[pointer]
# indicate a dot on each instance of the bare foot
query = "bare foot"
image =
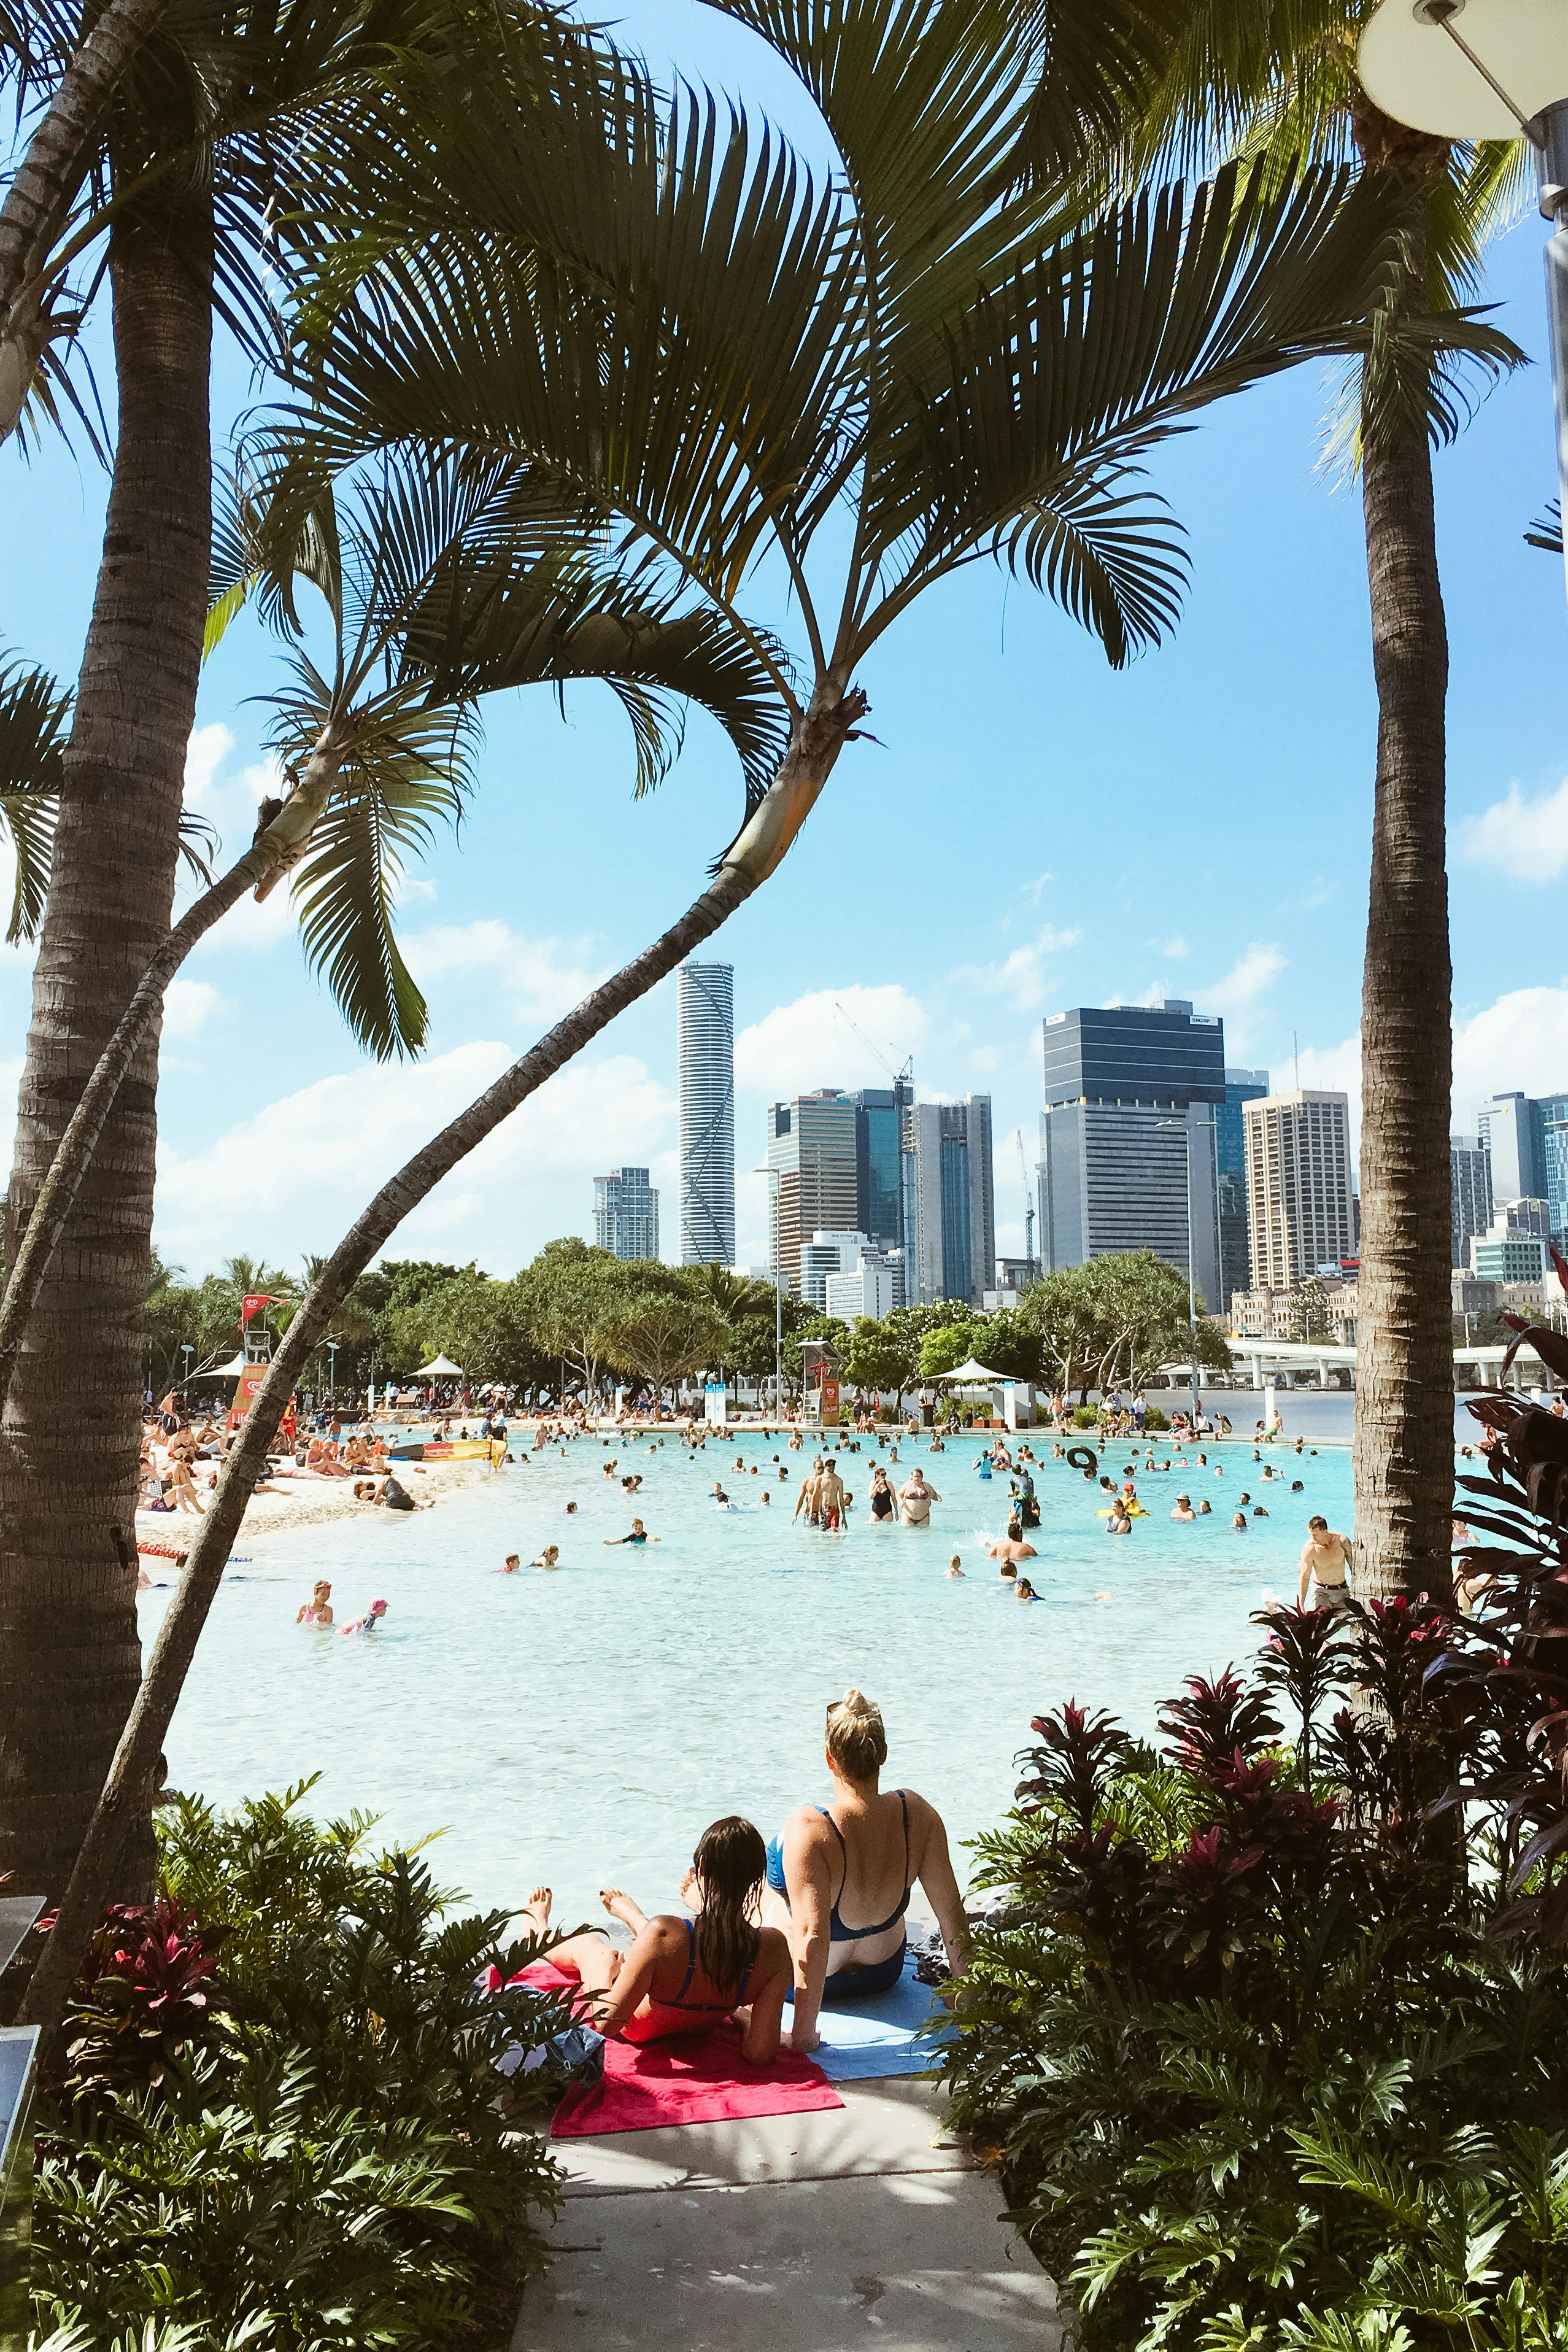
(536, 1908)
(692, 1889)
(621, 1907)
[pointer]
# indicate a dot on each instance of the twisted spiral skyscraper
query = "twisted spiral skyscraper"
(707, 1113)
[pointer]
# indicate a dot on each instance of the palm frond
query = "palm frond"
(1096, 352)
(34, 722)
(1546, 530)
(405, 769)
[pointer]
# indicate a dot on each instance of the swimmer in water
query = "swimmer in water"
(639, 1535)
(1240, 1523)
(1024, 1590)
(368, 1622)
(510, 1565)
(1184, 1509)
(718, 1494)
(1118, 1524)
(952, 1569)
(549, 1556)
(318, 1610)
(568, 1510)
(1205, 1507)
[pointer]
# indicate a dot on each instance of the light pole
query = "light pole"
(776, 1175)
(1501, 72)
(1187, 1126)
(187, 1351)
(332, 1370)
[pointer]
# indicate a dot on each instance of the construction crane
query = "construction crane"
(904, 1079)
(1028, 1202)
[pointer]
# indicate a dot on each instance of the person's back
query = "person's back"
(844, 1872)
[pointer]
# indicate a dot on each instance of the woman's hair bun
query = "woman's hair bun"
(856, 1703)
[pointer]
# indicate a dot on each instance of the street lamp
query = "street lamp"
(1187, 1127)
(332, 1370)
(187, 1351)
(777, 1175)
(1487, 70)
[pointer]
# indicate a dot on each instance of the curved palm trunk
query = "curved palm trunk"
(1404, 1457)
(122, 1808)
(40, 196)
(69, 1658)
(30, 1255)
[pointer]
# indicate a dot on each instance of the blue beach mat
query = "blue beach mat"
(864, 2039)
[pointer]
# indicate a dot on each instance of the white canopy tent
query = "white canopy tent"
(230, 1372)
(440, 1368)
(974, 1375)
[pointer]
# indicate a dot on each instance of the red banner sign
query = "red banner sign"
(249, 1306)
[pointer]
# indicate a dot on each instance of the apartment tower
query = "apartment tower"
(626, 1214)
(707, 1058)
(950, 1201)
(1469, 1184)
(811, 1157)
(1298, 1189)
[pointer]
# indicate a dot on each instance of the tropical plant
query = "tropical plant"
(658, 1339)
(1272, 2039)
(1278, 79)
(329, 2170)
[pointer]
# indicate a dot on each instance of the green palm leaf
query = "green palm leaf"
(34, 723)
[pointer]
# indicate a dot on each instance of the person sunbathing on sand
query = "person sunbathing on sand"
(682, 1976)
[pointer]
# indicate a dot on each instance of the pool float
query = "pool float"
(163, 1551)
(1084, 1458)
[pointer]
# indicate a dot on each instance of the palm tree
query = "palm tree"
(1276, 77)
(677, 332)
(440, 589)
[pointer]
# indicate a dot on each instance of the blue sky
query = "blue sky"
(1033, 831)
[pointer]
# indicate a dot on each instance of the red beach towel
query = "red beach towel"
(699, 2079)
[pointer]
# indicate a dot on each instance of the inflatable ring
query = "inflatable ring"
(163, 1551)
(1084, 1458)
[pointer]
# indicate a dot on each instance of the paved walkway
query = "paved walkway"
(865, 2225)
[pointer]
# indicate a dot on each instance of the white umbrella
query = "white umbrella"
(440, 1366)
(222, 1372)
(971, 1372)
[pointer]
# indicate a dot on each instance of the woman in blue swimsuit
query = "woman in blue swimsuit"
(841, 1875)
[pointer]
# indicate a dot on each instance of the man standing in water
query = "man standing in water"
(915, 1498)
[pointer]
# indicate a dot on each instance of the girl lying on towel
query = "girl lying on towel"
(681, 1975)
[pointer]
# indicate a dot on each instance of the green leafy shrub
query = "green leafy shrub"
(1085, 1416)
(1271, 2043)
(1155, 1419)
(330, 2168)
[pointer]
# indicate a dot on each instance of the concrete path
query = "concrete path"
(865, 2225)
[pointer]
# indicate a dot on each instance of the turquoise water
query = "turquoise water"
(585, 1725)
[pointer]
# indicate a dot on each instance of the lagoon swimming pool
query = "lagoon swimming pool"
(585, 1725)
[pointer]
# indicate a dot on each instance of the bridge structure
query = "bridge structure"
(1267, 1359)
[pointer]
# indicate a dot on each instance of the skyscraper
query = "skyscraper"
(626, 1214)
(950, 1201)
(1527, 1136)
(1298, 1186)
(1230, 1163)
(706, 1015)
(1133, 1094)
(811, 1145)
(1470, 1173)
(879, 1142)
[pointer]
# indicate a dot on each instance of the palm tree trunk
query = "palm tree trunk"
(69, 1657)
(1404, 1455)
(123, 1803)
(1405, 1366)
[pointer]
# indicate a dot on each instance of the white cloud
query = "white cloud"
(1526, 839)
(205, 752)
(1020, 977)
(1176, 946)
(542, 978)
(810, 1042)
(1520, 1041)
(293, 1177)
(186, 1006)
(1031, 890)
(1246, 981)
